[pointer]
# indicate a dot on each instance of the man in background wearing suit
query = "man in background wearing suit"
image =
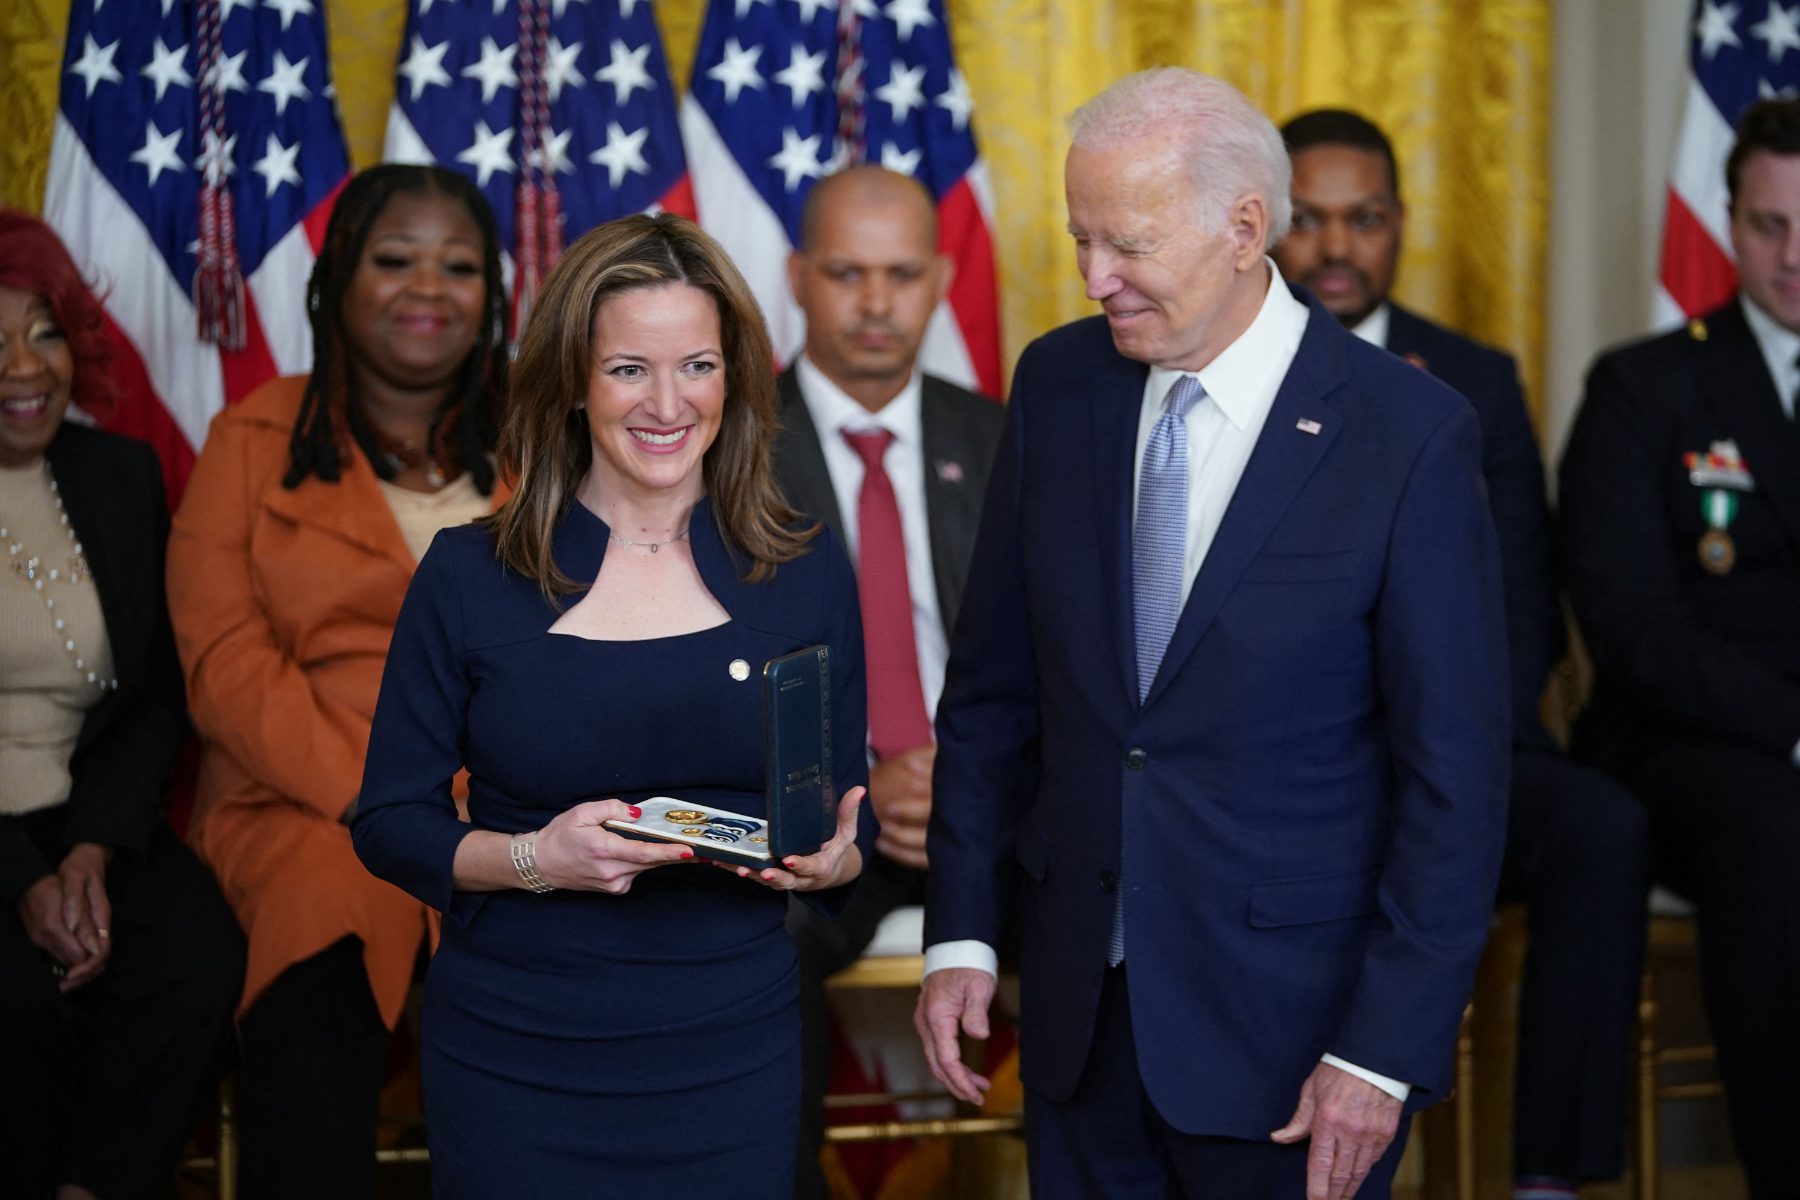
(895, 462)
(1681, 535)
(1226, 712)
(1577, 844)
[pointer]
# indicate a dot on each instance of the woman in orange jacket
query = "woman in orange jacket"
(307, 511)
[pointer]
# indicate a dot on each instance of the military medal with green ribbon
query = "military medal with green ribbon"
(1719, 508)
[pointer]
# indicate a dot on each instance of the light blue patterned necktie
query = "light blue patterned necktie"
(1158, 556)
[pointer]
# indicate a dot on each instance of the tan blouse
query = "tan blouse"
(44, 696)
(421, 514)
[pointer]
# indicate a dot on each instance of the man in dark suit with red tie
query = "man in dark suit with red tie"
(1225, 721)
(895, 462)
(1577, 846)
(1681, 536)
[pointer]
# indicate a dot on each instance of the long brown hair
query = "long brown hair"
(544, 440)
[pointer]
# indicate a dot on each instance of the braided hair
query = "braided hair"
(465, 429)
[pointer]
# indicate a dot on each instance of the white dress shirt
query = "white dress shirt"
(1241, 384)
(833, 412)
(1373, 328)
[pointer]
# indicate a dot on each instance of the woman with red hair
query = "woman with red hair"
(119, 973)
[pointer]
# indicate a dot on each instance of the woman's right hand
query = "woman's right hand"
(577, 851)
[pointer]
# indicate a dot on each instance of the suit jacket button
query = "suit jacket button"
(1135, 759)
(1108, 881)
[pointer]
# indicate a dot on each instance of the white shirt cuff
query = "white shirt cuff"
(969, 953)
(1393, 1087)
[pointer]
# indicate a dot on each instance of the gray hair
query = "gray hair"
(1229, 148)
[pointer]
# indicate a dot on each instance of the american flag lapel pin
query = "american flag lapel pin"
(1308, 425)
(949, 471)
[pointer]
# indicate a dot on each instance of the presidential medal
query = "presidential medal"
(683, 816)
(695, 831)
(1718, 553)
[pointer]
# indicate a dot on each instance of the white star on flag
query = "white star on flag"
(165, 68)
(902, 162)
(956, 99)
(804, 74)
(215, 161)
(495, 70)
(553, 156)
(283, 82)
(277, 166)
(737, 70)
(626, 71)
(425, 66)
(96, 65)
(908, 15)
(489, 152)
(1715, 28)
(158, 152)
(1780, 29)
(798, 158)
(904, 92)
(810, 8)
(623, 152)
(289, 9)
(561, 68)
(227, 75)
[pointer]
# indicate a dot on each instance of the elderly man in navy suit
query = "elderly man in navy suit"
(1226, 716)
(1577, 843)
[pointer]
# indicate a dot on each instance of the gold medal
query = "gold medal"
(758, 838)
(683, 816)
(1718, 553)
(694, 831)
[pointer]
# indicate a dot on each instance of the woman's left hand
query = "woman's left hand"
(835, 863)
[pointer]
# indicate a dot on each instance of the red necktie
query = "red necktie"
(897, 718)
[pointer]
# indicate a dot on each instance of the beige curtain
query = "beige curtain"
(1462, 86)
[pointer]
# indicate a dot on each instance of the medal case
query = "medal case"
(797, 781)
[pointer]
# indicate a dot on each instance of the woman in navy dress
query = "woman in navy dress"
(608, 1017)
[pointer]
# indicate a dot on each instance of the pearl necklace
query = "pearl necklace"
(33, 571)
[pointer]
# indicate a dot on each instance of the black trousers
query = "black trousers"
(1578, 856)
(1726, 820)
(826, 947)
(100, 1087)
(314, 1051)
(1108, 1142)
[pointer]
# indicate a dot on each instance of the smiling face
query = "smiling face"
(656, 393)
(37, 371)
(1345, 241)
(413, 308)
(1765, 233)
(1177, 284)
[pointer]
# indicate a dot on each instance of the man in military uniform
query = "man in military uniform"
(1681, 505)
(1577, 852)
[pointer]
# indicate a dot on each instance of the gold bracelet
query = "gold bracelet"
(524, 860)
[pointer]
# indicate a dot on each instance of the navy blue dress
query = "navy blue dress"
(578, 1043)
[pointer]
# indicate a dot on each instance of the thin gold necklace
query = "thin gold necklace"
(654, 546)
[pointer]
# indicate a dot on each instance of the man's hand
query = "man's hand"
(1352, 1122)
(900, 790)
(953, 1001)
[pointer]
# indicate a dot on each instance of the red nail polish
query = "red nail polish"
(789, 863)
(687, 854)
(636, 812)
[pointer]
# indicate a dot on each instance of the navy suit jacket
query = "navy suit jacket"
(1307, 812)
(1514, 471)
(1678, 651)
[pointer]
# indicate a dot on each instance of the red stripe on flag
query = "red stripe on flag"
(320, 216)
(680, 198)
(1697, 273)
(247, 369)
(139, 413)
(974, 288)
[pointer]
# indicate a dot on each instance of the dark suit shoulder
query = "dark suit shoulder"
(1381, 384)
(86, 444)
(1444, 348)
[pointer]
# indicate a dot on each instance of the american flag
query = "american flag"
(129, 154)
(784, 91)
(561, 111)
(1741, 52)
